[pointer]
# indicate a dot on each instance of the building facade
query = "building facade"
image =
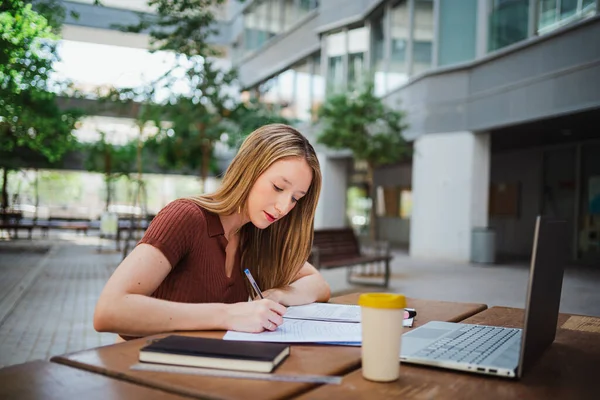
(502, 98)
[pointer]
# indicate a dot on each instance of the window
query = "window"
(301, 102)
(398, 71)
(378, 54)
(422, 36)
(318, 87)
(553, 14)
(336, 50)
(394, 201)
(457, 30)
(358, 44)
(509, 21)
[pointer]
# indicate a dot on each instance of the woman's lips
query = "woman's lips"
(270, 218)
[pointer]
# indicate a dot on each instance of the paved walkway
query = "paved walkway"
(54, 308)
(48, 293)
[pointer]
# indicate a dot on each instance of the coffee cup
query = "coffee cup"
(382, 315)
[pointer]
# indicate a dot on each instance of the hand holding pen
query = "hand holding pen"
(253, 283)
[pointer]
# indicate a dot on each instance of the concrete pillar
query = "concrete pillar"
(331, 210)
(451, 174)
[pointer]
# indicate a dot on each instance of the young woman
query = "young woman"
(186, 272)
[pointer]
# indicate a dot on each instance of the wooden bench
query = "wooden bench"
(67, 224)
(339, 247)
(16, 227)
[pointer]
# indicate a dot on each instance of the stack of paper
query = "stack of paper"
(314, 323)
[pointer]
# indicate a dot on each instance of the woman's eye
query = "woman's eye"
(294, 200)
(277, 189)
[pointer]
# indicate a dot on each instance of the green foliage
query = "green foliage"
(361, 122)
(249, 116)
(181, 26)
(31, 123)
(110, 159)
(198, 118)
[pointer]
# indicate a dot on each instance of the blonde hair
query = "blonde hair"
(274, 255)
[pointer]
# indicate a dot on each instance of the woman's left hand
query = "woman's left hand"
(277, 295)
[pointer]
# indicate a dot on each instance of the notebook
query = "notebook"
(336, 313)
(215, 353)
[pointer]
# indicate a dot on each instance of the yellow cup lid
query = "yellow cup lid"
(382, 300)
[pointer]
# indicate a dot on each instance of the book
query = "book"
(215, 353)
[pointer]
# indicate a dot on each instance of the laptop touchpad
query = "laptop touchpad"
(426, 333)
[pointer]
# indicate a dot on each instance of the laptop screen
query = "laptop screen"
(548, 259)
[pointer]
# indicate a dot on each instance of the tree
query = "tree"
(249, 116)
(30, 121)
(199, 115)
(180, 26)
(112, 160)
(206, 109)
(360, 122)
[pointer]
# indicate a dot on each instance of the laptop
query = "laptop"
(503, 352)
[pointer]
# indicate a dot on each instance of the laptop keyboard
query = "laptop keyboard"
(470, 344)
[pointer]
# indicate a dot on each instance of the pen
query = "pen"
(253, 283)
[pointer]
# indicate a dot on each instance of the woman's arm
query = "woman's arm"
(125, 307)
(309, 286)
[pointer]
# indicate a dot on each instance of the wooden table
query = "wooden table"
(51, 381)
(116, 360)
(567, 370)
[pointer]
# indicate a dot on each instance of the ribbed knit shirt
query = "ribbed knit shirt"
(193, 241)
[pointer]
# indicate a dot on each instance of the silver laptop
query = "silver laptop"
(504, 352)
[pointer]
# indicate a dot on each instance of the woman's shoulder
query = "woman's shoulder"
(184, 208)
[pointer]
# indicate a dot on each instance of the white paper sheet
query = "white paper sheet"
(303, 331)
(324, 312)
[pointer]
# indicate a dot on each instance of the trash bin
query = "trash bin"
(483, 245)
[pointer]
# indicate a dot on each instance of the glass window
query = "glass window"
(422, 36)
(275, 24)
(250, 32)
(398, 73)
(547, 13)
(290, 14)
(304, 7)
(336, 50)
(262, 23)
(457, 30)
(356, 69)
(318, 87)
(508, 23)
(405, 203)
(302, 102)
(568, 8)
(378, 54)
(556, 13)
(358, 44)
(269, 93)
(287, 84)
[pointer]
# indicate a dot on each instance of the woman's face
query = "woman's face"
(277, 190)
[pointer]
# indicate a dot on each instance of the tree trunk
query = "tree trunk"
(373, 193)
(206, 152)
(107, 172)
(205, 164)
(37, 193)
(4, 189)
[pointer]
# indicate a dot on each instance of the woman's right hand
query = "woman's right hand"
(254, 316)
